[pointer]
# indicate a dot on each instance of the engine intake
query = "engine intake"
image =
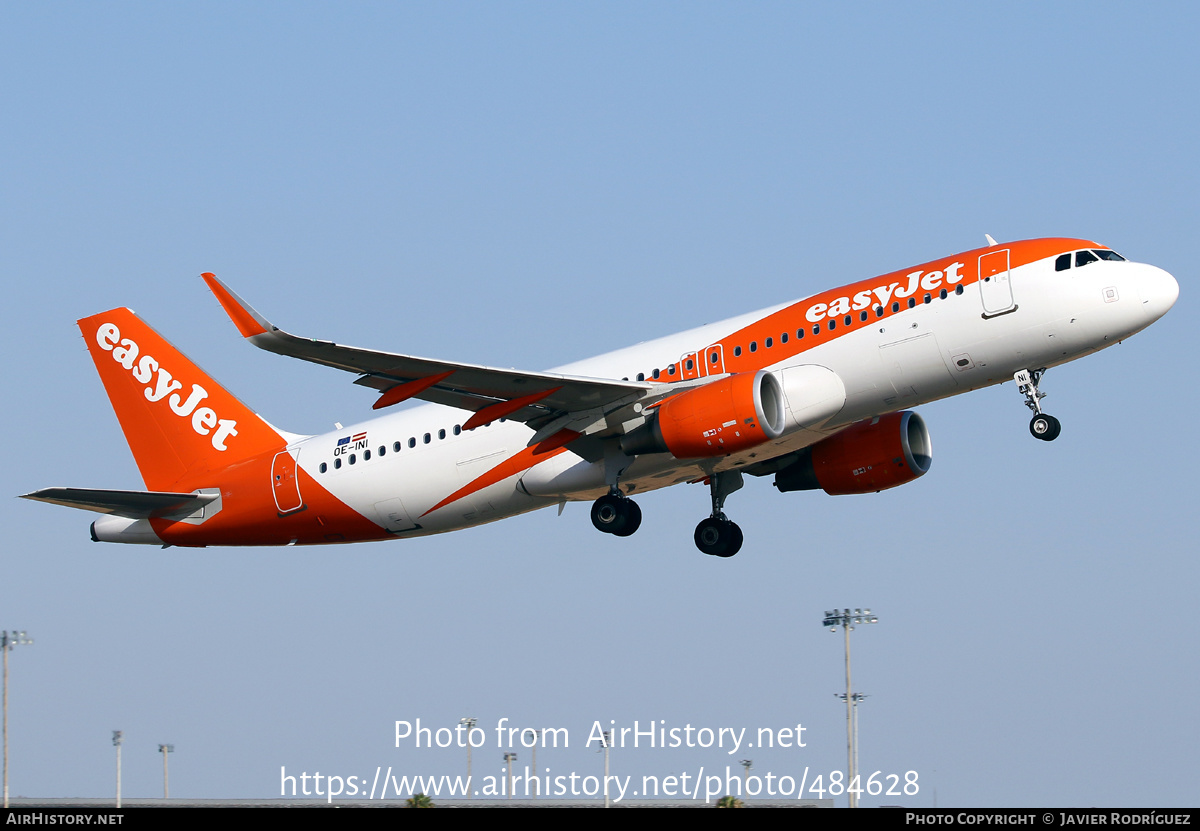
(719, 418)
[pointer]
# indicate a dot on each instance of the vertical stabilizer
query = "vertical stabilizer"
(180, 423)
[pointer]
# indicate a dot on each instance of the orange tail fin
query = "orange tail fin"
(180, 424)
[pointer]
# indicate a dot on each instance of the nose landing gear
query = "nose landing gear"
(1041, 426)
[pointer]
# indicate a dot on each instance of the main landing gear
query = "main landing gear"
(1042, 426)
(616, 514)
(718, 535)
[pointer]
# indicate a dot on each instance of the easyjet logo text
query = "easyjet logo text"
(159, 385)
(927, 280)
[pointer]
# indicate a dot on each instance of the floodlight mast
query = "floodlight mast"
(164, 749)
(469, 723)
(509, 758)
(7, 641)
(845, 619)
(118, 737)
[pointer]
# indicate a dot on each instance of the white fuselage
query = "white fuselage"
(980, 333)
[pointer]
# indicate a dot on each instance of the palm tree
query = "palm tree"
(730, 802)
(420, 800)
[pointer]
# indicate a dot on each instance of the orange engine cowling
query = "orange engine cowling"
(868, 456)
(719, 418)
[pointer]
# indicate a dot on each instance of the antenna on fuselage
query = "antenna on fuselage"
(990, 240)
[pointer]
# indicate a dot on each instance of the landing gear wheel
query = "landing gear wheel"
(1045, 427)
(616, 515)
(633, 520)
(718, 537)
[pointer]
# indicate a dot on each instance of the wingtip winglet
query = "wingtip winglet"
(244, 317)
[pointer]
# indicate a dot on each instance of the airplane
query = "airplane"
(816, 393)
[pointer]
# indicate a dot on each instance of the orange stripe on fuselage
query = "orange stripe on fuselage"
(796, 317)
(249, 516)
(527, 458)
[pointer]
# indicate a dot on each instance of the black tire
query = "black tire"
(713, 536)
(1045, 427)
(633, 518)
(735, 540)
(609, 514)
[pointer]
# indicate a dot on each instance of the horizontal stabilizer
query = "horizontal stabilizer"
(131, 504)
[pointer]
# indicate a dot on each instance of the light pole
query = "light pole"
(856, 697)
(510, 758)
(607, 745)
(537, 783)
(746, 765)
(845, 619)
(7, 641)
(118, 737)
(164, 749)
(469, 723)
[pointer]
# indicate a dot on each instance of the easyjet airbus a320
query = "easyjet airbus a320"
(813, 392)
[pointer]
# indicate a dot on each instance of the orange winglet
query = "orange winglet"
(405, 391)
(242, 319)
(502, 408)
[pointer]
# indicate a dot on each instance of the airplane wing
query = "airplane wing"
(131, 504)
(539, 399)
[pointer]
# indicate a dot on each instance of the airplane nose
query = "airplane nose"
(1159, 291)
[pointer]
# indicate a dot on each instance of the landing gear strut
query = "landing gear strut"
(718, 535)
(616, 514)
(1042, 426)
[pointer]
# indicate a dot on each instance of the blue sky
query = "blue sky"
(529, 184)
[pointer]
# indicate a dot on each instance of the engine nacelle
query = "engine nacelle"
(719, 418)
(866, 457)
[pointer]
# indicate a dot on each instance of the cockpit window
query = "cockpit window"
(1062, 263)
(1109, 255)
(1084, 258)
